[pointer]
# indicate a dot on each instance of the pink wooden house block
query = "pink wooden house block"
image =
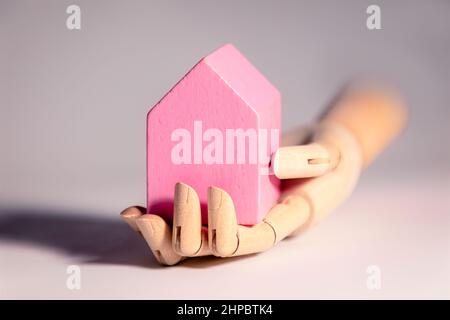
(202, 133)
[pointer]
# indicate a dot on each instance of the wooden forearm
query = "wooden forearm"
(372, 117)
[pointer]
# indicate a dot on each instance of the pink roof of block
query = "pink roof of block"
(242, 77)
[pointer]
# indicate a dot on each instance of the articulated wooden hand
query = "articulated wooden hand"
(347, 138)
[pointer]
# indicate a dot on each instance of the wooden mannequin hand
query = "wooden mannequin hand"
(224, 237)
(346, 140)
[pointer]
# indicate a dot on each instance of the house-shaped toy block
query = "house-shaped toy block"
(218, 127)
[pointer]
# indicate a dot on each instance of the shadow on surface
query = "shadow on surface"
(92, 239)
(89, 238)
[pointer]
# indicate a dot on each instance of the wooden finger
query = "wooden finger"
(222, 223)
(280, 222)
(129, 215)
(158, 235)
(187, 221)
(303, 161)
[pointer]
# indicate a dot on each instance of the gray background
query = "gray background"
(72, 137)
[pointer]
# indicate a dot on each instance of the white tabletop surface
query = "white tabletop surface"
(402, 228)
